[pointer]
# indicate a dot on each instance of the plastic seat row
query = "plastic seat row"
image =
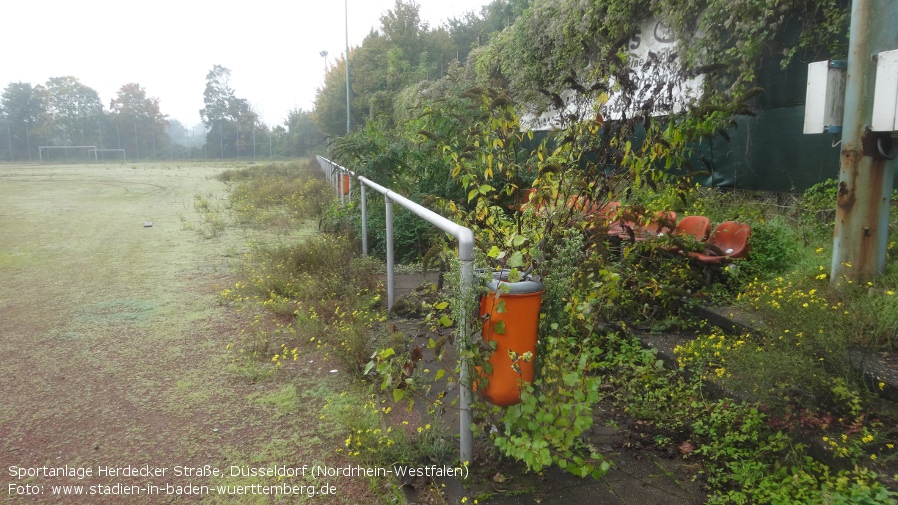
(728, 241)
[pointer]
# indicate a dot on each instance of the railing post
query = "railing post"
(465, 419)
(332, 176)
(364, 219)
(391, 296)
(341, 188)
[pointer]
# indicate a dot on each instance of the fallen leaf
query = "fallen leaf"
(687, 447)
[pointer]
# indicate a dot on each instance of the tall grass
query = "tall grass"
(277, 196)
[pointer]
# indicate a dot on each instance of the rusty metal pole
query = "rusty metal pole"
(865, 177)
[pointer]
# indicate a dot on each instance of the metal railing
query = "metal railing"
(338, 175)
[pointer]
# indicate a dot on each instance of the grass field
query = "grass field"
(113, 341)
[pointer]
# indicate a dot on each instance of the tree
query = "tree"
(473, 30)
(404, 52)
(402, 26)
(141, 126)
(302, 135)
(74, 112)
(330, 102)
(230, 121)
(24, 107)
(370, 86)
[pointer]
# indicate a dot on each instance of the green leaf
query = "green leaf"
(445, 321)
(398, 394)
(500, 307)
(499, 327)
(494, 252)
(516, 260)
(441, 305)
(439, 375)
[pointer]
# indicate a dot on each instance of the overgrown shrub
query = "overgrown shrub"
(775, 247)
(278, 196)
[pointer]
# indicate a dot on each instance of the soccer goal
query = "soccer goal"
(65, 153)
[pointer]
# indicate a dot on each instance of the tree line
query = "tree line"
(403, 53)
(64, 112)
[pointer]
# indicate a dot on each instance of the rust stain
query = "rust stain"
(847, 195)
(859, 209)
(872, 211)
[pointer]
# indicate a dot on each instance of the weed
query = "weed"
(212, 216)
(279, 197)
(750, 462)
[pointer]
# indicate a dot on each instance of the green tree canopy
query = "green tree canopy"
(302, 134)
(24, 108)
(230, 121)
(74, 112)
(140, 124)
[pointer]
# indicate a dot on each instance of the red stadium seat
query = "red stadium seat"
(729, 241)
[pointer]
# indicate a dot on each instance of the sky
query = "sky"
(272, 48)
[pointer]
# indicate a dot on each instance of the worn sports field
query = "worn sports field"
(113, 363)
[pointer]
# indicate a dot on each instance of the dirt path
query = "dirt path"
(112, 347)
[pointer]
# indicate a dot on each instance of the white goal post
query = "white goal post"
(40, 150)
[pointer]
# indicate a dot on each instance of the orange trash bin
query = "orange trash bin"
(345, 184)
(520, 318)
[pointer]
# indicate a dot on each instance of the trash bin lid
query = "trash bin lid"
(513, 288)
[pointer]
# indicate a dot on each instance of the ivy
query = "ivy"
(724, 40)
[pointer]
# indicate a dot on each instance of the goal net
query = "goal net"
(106, 154)
(63, 154)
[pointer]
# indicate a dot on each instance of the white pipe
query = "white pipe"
(465, 239)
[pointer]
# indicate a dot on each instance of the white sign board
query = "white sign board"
(885, 94)
(824, 98)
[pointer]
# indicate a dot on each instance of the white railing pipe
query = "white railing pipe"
(465, 238)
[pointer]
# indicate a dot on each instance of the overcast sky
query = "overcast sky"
(271, 47)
